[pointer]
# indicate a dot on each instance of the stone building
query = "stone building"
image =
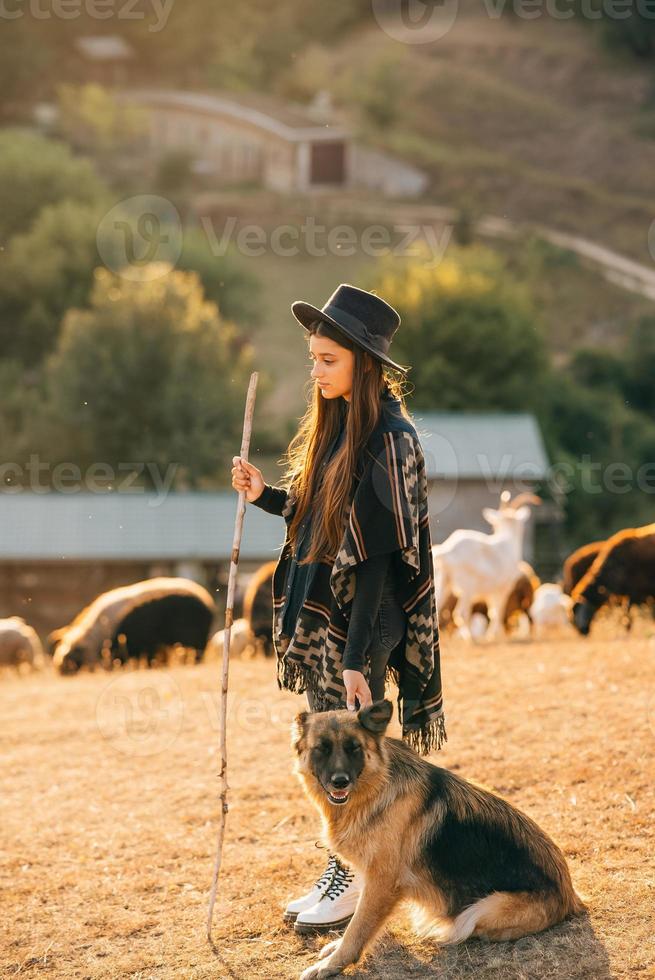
(253, 138)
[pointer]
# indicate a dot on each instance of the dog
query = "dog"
(469, 861)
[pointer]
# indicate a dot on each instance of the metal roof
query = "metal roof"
(186, 526)
(83, 526)
(264, 112)
(481, 445)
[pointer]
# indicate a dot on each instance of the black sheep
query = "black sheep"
(258, 605)
(578, 563)
(624, 567)
(96, 630)
(160, 623)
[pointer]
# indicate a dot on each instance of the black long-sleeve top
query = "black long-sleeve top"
(370, 576)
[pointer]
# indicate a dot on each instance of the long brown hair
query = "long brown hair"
(318, 427)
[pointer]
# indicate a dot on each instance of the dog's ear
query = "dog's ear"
(376, 717)
(299, 729)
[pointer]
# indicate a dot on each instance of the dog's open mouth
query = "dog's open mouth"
(338, 796)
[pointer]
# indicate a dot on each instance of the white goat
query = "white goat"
(551, 609)
(473, 565)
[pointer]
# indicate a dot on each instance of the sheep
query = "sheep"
(550, 608)
(576, 566)
(100, 630)
(258, 605)
(577, 563)
(19, 644)
(153, 627)
(242, 640)
(624, 567)
(474, 565)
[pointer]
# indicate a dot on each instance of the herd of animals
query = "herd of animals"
(483, 587)
(482, 575)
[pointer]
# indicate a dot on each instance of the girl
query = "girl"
(353, 590)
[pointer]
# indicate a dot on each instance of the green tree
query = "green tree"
(469, 331)
(639, 366)
(44, 272)
(22, 415)
(598, 368)
(92, 118)
(35, 172)
(225, 279)
(602, 446)
(50, 268)
(381, 91)
(150, 374)
(23, 60)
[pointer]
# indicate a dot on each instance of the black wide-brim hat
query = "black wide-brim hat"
(361, 315)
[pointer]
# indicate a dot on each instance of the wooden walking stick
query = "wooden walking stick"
(234, 561)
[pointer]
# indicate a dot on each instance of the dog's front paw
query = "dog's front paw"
(329, 949)
(320, 970)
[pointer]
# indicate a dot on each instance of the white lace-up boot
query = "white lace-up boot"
(336, 906)
(314, 894)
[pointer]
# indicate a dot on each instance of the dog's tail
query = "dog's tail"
(499, 916)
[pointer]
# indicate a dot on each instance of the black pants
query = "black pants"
(387, 634)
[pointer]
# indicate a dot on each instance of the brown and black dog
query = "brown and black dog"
(469, 861)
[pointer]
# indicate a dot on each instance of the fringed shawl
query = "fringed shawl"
(388, 512)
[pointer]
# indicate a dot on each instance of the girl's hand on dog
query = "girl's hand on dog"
(247, 477)
(356, 687)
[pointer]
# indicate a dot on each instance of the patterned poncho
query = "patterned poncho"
(388, 512)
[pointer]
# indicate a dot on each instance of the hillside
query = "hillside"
(575, 304)
(531, 120)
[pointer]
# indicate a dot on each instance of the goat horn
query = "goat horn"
(505, 499)
(525, 498)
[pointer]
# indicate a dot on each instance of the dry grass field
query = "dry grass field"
(109, 804)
